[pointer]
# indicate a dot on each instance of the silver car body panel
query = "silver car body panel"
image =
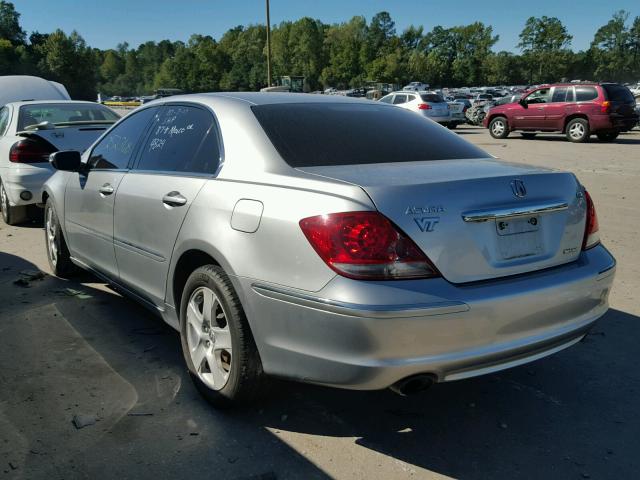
(313, 325)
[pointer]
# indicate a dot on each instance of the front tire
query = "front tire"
(217, 343)
(607, 136)
(578, 130)
(57, 250)
(499, 128)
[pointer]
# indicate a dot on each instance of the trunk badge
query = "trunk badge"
(427, 224)
(518, 188)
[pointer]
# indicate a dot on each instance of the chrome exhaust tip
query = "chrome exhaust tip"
(414, 384)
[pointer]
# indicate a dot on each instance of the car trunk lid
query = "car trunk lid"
(77, 138)
(477, 219)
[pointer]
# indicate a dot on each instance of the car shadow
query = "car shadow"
(570, 415)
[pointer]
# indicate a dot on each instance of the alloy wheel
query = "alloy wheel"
(576, 131)
(209, 338)
(498, 127)
(50, 228)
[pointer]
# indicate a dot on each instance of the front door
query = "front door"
(90, 196)
(532, 117)
(179, 154)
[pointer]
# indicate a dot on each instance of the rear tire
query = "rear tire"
(218, 339)
(57, 251)
(528, 135)
(607, 136)
(499, 128)
(11, 215)
(577, 130)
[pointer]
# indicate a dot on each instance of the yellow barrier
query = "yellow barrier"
(122, 104)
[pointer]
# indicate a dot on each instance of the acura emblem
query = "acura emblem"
(518, 188)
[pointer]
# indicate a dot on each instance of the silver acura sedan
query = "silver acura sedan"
(328, 240)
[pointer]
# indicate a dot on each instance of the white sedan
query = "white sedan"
(29, 132)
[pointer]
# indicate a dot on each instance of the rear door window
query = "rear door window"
(117, 147)
(181, 139)
(320, 134)
(585, 94)
(399, 99)
(559, 95)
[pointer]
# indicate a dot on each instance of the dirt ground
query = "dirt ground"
(78, 350)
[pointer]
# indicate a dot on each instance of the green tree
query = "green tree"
(544, 43)
(611, 49)
(343, 44)
(10, 24)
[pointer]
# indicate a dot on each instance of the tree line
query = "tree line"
(340, 55)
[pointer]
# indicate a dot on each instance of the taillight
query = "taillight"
(605, 106)
(366, 246)
(591, 235)
(424, 106)
(29, 151)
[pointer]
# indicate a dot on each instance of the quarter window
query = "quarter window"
(4, 119)
(584, 94)
(181, 139)
(118, 145)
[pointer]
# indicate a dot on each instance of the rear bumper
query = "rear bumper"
(612, 122)
(18, 178)
(369, 335)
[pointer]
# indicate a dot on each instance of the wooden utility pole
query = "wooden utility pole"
(268, 47)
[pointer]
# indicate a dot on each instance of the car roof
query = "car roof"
(260, 98)
(22, 87)
(54, 102)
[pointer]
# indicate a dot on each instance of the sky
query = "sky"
(104, 24)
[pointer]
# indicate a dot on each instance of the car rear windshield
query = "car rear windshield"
(61, 113)
(432, 98)
(322, 134)
(618, 93)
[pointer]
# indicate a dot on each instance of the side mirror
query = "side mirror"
(523, 102)
(68, 161)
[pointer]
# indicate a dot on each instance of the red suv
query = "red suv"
(578, 110)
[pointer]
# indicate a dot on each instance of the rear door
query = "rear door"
(89, 196)
(181, 151)
(558, 108)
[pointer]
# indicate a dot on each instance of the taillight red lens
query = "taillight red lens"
(424, 106)
(605, 106)
(29, 151)
(591, 234)
(366, 245)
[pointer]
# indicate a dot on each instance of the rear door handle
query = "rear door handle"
(174, 199)
(106, 189)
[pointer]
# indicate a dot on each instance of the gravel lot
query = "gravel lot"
(79, 349)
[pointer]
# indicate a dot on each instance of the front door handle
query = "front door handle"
(174, 199)
(106, 189)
